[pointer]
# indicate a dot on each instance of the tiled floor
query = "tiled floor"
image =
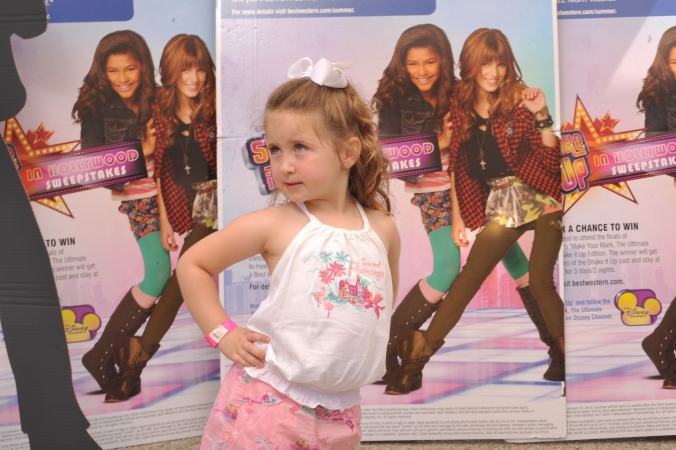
(185, 371)
(491, 353)
(660, 443)
(605, 363)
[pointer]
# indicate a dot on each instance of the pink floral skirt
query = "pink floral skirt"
(250, 414)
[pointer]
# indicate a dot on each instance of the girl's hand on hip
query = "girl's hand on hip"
(533, 99)
(238, 346)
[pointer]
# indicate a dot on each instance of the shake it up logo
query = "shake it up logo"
(80, 323)
(257, 158)
(408, 156)
(638, 306)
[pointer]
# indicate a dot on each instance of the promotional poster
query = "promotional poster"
(86, 146)
(486, 381)
(617, 242)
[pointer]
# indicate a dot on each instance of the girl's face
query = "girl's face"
(672, 60)
(124, 74)
(491, 76)
(424, 67)
(303, 167)
(192, 81)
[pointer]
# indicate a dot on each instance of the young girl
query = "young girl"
(185, 155)
(114, 105)
(508, 182)
(332, 251)
(413, 98)
(658, 100)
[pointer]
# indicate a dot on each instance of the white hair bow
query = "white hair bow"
(324, 73)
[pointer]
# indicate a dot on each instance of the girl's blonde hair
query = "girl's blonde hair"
(343, 114)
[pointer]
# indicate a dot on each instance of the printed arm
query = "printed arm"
(389, 123)
(389, 126)
(393, 253)
(91, 132)
(458, 229)
(388, 233)
(656, 122)
(148, 143)
(544, 143)
(167, 237)
(244, 237)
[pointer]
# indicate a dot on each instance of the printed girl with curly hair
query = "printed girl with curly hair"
(114, 105)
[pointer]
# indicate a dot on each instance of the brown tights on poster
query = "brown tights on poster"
(490, 246)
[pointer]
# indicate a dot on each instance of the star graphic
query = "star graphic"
(607, 124)
(33, 145)
(36, 136)
(598, 132)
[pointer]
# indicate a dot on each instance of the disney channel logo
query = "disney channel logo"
(80, 323)
(638, 306)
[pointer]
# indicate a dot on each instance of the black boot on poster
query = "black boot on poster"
(411, 313)
(127, 318)
(555, 372)
(132, 358)
(659, 346)
(557, 368)
(415, 352)
(670, 381)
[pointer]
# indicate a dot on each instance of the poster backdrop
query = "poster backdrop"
(486, 382)
(618, 241)
(95, 257)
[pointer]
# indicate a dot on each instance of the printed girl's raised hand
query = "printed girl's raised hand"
(167, 236)
(533, 99)
(238, 346)
(446, 132)
(148, 143)
(459, 232)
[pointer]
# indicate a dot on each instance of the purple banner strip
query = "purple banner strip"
(412, 155)
(95, 167)
(640, 158)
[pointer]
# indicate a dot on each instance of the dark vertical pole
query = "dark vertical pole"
(29, 304)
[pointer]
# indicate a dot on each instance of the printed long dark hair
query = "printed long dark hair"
(96, 90)
(396, 81)
(660, 81)
(343, 114)
(486, 45)
(184, 51)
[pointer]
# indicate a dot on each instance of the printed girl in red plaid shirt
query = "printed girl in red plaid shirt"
(185, 172)
(506, 162)
(413, 98)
